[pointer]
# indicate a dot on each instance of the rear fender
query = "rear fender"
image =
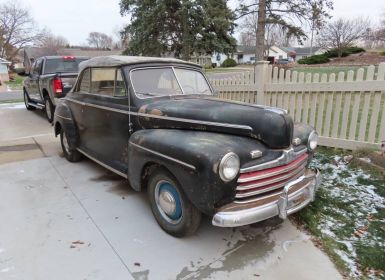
(64, 120)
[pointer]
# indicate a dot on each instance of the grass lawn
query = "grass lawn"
(348, 217)
(17, 83)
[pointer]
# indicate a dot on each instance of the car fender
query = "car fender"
(193, 157)
(63, 119)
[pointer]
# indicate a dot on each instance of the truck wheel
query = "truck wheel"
(70, 153)
(171, 208)
(26, 100)
(49, 108)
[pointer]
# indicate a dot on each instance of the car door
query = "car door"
(106, 119)
(33, 81)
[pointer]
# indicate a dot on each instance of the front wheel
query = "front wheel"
(49, 109)
(171, 208)
(70, 152)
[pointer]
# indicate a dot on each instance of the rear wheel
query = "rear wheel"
(70, 152)
(26, 101)
(49, 108)
(171, 208)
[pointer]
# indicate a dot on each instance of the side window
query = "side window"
(107, 81)
(85, 81)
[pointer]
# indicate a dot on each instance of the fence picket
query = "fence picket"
(345, 113)
(329, 109)
(307, 97)
(314, 101)
(337, 109)
(374, 117)
(356, 107)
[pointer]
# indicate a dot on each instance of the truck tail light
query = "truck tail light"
(67, 57)
(57, 85)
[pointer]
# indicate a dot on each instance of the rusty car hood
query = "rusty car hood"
(272, 126)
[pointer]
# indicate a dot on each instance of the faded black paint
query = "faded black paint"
(94, 127)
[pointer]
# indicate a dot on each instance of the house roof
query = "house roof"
(241, 49)
(4, 61)
(118, 60)
(306, 50)
(36, 52)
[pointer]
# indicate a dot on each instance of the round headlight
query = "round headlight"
(312, 142)
(229, 167)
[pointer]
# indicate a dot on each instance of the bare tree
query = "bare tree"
(100, 40)
(17, 29)
(275, 34)
(343, 33)
(289, 14)
(53, 42)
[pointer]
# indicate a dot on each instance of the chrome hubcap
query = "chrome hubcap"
(168, 202)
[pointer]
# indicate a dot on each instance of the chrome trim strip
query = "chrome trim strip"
(270, 174)
(256, 192)
(275, 180)
(57, 115)
(164, 156)
(102, 164)
(287, 156)
(228, 125)
(74, 100)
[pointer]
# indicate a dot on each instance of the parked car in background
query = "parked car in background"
(50, 77)
(157, 122)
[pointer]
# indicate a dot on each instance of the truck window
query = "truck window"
(62, 65)
(37, 67)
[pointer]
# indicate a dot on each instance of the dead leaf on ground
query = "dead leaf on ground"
(77, 242)
(137, 264)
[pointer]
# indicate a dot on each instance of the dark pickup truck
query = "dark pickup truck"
(50, 77)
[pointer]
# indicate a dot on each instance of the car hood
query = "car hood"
(272, 126)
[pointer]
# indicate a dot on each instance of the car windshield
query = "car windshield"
(168, 81)
(62, 65)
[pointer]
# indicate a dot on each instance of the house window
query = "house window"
(218, 57)
(252, 58)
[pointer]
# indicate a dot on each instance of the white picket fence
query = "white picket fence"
(347, 111)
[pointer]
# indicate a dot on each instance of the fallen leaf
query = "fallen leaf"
(78, 242)
(256, 275)
(137, 264)
(72, 246)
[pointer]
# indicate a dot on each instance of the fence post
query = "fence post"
(261, 71)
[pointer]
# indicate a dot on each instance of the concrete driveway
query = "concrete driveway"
(61, 220)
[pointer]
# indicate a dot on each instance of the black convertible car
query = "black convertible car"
(158, 123)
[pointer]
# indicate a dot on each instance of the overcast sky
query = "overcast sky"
(75, 19)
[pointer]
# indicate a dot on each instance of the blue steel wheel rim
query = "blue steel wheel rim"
(168, 202)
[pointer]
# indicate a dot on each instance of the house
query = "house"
(305, 52)
(246, 55)
(4, 64)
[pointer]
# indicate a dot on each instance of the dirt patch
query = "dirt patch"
(122, 188)
(378, 159)
(106, 177)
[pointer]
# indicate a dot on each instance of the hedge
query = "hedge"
(229, 62)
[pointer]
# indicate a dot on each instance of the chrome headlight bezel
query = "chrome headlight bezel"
(229, 159)
(312, 141)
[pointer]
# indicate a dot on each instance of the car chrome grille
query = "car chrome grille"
(264, 183)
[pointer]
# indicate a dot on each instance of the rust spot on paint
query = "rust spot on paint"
(156, 112)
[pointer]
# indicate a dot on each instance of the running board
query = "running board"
(36, 105)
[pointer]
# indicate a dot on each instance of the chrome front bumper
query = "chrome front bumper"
(295, 196)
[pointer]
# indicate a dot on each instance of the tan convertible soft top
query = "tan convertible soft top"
(119, 60)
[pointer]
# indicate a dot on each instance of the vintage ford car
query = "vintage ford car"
(158, 123)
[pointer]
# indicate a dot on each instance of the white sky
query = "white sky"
(75, 19)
